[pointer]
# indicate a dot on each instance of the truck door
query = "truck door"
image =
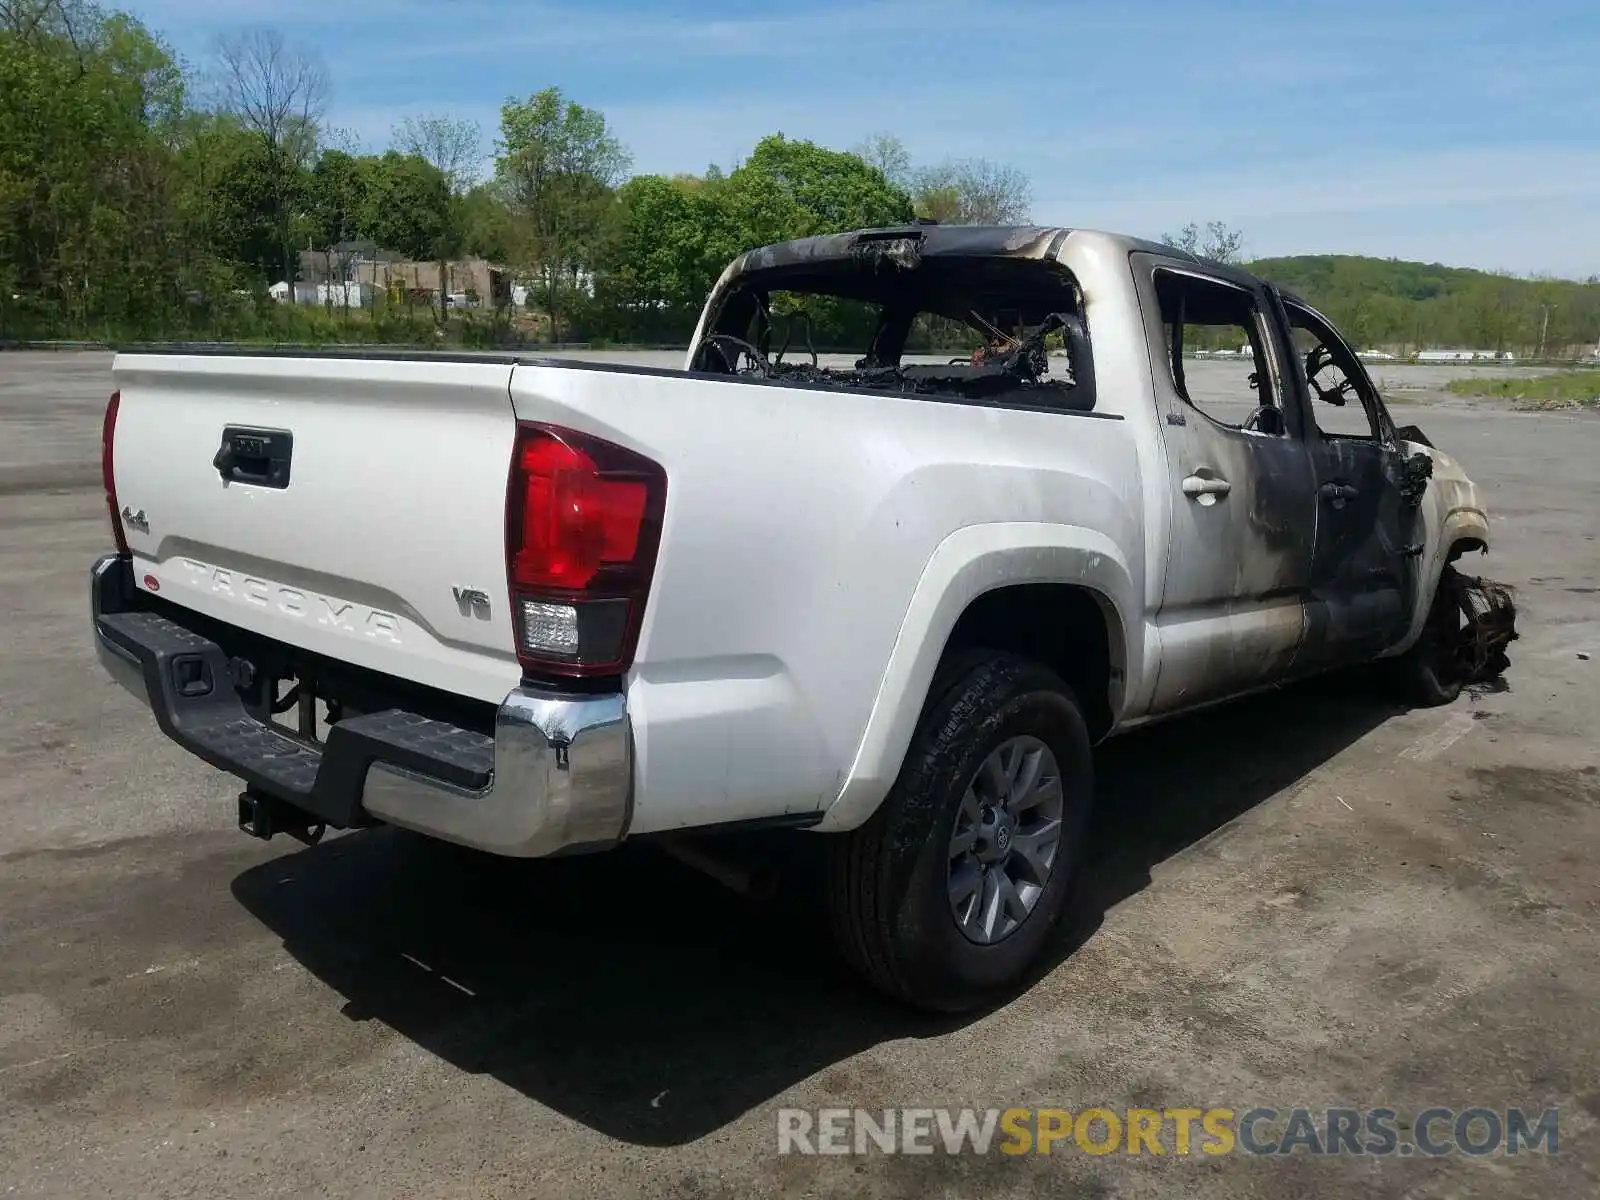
(1361, 572)
(1242, 502)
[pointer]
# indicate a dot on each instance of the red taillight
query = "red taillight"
(108, 476)
(583, 519)
(574, 519)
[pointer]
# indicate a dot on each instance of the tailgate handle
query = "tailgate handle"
(255, 456)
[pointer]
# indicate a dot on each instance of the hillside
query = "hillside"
(1409, 305)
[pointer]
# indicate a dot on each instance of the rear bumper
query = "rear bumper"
(555, 776)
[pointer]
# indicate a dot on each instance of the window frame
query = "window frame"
(1265, 343)
(1380, 423)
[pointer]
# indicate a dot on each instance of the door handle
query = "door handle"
(257, 456)
(1204, 487)
(1337, 492)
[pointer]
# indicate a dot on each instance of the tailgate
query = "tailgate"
(362, 515)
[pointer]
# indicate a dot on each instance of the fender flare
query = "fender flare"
(970, 562)
(1469, 525)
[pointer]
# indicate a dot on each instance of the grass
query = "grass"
(1562, 389)
(253, 321)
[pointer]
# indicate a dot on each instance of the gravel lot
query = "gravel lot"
(1305, 899)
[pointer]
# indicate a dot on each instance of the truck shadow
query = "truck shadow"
(634, 995)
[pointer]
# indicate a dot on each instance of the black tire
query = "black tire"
(1430, 674)
(887, 889)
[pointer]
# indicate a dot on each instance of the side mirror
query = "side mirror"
(1414, 475)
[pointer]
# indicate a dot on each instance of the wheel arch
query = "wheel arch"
(991, 587)
(1074, 630)
(1462, 531)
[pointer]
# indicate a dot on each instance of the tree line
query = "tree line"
(143, 197)
(1406, 306)
(1403, 307)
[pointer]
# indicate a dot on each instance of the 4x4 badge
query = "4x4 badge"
(135, 519)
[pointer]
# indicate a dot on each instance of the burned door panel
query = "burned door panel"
(1243, 502)
(1369, 526)
(1359, 570)
(1232, 611)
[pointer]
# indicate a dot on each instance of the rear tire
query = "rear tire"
(938, 899)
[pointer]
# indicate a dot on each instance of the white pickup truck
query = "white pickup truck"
(537, 607)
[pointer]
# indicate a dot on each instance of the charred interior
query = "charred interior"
(991, 320)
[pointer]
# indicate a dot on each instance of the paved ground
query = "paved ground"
(1309, 899)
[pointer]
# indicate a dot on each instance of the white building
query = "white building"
(1456, 356)
(333, 295)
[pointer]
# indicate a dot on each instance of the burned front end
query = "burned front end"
(1487, 625)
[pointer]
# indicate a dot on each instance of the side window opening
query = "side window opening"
(982, 328)
(1217, 354)
(1341, 401)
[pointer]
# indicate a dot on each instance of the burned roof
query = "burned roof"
(869, 263)
(928, 240)
(920, 240)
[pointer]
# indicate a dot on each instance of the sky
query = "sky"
(1466, 133)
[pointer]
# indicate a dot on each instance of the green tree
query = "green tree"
(248, 193)
(557, 164)
(487, 224)
(957, 191)
(87, 103)
(278, 92)
(670, 238)
(405, 204)
(811, 190)
(451, 147)
(336, 202)
(972, 191)
(667, 243)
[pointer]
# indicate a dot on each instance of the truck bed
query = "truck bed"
(799, 520)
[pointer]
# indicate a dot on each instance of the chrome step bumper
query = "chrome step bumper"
(556, 775)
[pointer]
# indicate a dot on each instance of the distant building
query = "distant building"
(334, 295)
(1456, 356)
(353, 273)
(478, 281)
(345, 262)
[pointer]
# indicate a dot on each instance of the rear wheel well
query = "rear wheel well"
(1066, 628)
(1462, 545)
